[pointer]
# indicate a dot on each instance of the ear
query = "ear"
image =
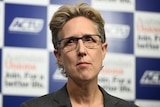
(104, 49)
(58, 56)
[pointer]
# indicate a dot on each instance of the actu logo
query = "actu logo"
(117, 30)
(29, 25)
(150, 78)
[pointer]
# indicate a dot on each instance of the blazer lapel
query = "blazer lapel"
(62, 97)
(109, 101)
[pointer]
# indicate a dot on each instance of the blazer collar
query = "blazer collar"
(109, 101)
(62, 98)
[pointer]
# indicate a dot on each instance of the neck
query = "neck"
(84, 94)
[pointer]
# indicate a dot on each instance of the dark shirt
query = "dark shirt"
(60, 98)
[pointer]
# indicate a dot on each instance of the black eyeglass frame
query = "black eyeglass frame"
(77, 38)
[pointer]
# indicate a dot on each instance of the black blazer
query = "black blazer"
(60, 98)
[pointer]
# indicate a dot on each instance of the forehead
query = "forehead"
(78, 26)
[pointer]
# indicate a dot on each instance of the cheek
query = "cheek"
(98, 58)
(68, 59)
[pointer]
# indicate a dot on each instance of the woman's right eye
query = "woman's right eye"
(70, 41)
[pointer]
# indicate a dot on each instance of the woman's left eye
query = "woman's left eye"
(88, 38)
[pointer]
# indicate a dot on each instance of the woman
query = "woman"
(79, 39)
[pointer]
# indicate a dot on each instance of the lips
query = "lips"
(82, 63)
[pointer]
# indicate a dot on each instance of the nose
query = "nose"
(81, 49)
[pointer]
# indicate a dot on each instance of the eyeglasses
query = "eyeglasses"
(90, 41)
